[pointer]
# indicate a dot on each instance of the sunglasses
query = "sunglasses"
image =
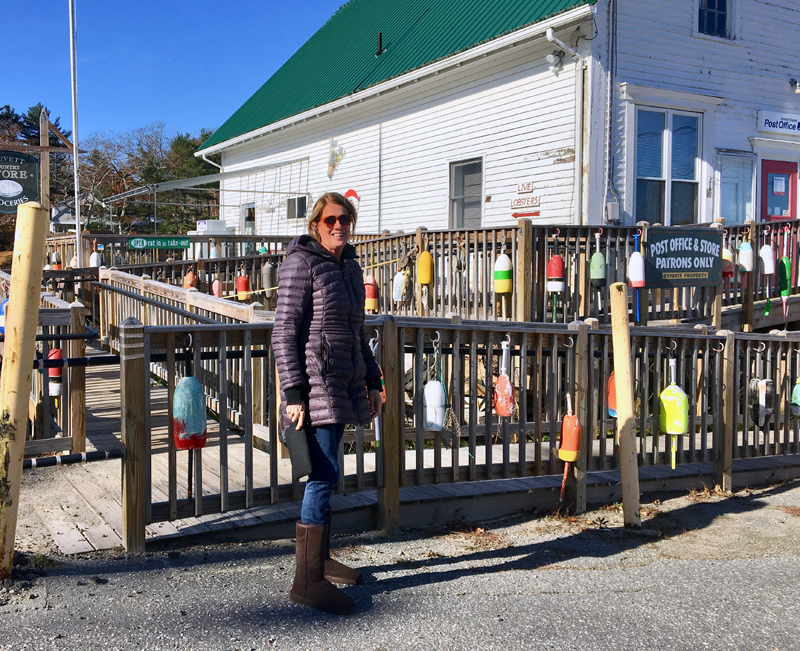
(330, 220)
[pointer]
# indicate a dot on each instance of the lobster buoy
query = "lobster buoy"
(400, 285)
(269, 278)
(503, 389)
(745, 257)
(433, 406)
(796, 398)
(503, 283)
(94, 259)
(370, 293)
(3, 308)
(611, 395)
(728, 265)
(213, 252)
(767, 255)
(674, 410)
(425, 268)
(56, 261)
(216, 288)
(55, 374)
(48, 267)
(785, 277)
(189, 280)
(636, 265)
(555, 274)
(262, 250)
(762, 396)
(570, 447)
(189, 427)
(597, 266)
(242, 286)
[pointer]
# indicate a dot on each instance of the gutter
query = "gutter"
(445, 65)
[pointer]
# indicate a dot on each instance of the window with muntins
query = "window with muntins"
(296, 207)
(466, 192)
(713, 18)
(667, 167)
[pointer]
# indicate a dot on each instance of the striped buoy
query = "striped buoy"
(370, 294)
(189, 427)
(242, 286)
(55, 374)
(503, 282)
(745, 257)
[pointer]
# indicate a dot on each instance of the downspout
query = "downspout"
(610, 62)
(579, 99)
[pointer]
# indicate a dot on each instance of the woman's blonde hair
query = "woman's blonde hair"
(319, 206)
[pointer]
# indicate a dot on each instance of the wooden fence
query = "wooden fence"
(720, 371)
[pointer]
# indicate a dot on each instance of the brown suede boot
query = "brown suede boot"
(310, 587)
(334, 570)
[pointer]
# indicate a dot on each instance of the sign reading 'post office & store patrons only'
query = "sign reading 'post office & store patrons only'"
(19, 180)
(683, 257)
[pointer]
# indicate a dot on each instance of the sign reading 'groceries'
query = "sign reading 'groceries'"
(681, 257)
(19, 180)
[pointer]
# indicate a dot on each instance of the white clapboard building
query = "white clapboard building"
(474, 114)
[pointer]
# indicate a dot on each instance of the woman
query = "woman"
(329, 378)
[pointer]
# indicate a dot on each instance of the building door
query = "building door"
(778, 190)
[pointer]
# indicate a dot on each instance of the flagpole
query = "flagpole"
(74, 75)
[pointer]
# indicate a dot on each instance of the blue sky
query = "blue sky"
(187, 63)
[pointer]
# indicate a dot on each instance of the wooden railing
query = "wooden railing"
(716, 369)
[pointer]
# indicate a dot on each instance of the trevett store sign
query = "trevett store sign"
(785, 123)
(19, 180)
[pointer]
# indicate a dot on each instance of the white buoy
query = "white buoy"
(745, 257)
(433, 406)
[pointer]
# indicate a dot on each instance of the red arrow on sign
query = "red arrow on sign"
(517, 215)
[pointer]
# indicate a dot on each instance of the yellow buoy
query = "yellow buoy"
(425, 268)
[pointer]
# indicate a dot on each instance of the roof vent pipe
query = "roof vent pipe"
(380, 44)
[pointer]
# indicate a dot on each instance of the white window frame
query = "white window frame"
(733, 23)
(734, 153)
(659, 98)
(294, 217)
(451, 179)
(244, 209)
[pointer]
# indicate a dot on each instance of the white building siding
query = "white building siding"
(657, 48)
(508, 109)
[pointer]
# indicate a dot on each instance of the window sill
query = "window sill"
(715, 39)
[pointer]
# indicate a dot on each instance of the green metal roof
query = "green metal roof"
(340, 58)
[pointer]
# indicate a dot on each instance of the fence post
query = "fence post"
(525, 274)
(623, 378)
(77, 379)
(132, 388)
(749, 288)
(393, 429)
(723, 455)
(576, 482)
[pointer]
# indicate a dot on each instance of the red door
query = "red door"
(778, 190)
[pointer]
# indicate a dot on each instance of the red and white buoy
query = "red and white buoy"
(503, 389)
(55, 374)
(556, 282)
(370, 294)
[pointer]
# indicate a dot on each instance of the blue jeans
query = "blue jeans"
(323, 448)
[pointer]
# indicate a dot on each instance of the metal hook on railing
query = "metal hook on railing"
(189, 345)
(435, 342)
(762, 347)
(674, 346)
(746, 231)
(601, 232)
(373, 343)
(787, 227)
(558, 232)
(570, 344)
(720, 349)
(767, 229)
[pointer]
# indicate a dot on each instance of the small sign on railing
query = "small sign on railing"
(680, 257)
(159, 243)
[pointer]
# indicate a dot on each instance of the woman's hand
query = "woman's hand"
(298, 414)
(375, 403)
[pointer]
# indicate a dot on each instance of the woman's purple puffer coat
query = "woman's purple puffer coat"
(321, 348)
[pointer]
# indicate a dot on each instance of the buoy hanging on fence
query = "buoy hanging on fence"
(503, 281)
(213, 251)
(55, 259)
(216, 288)
(674, 412)
(785, 276)
(728, 265)
(597, 269)
(796, 398)
(189, 280)
(73, 262)
(569, 448)
(400, 285)
(425, 268)
(269, 278)
(745, 257)
(262, 250)
(95, 260)
(767, 255)
(189, 427)
(55, 374)
(636, 273)
(242, 286)
(762, 396)
(555, 276)
(433, 406)
(3, 308)
(611, 395)
(370, 293)
(503, 389)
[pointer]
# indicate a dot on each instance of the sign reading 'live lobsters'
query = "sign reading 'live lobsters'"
(19, 180)
(682, 257)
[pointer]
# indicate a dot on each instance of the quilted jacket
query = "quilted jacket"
(321, 346)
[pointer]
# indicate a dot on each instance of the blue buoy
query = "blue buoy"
(189, 425)
(3, 308)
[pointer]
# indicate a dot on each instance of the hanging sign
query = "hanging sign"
(159, 243)
(683, 257)
(19, 180)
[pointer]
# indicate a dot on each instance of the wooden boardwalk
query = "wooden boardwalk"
(87, 513)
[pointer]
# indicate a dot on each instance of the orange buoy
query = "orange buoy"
(570, 447)
(611, 392)
(242, 286)
(55, 374)
(216, 288)
(503, 389)
(370, 293)
(189, 280)
(56, 261)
